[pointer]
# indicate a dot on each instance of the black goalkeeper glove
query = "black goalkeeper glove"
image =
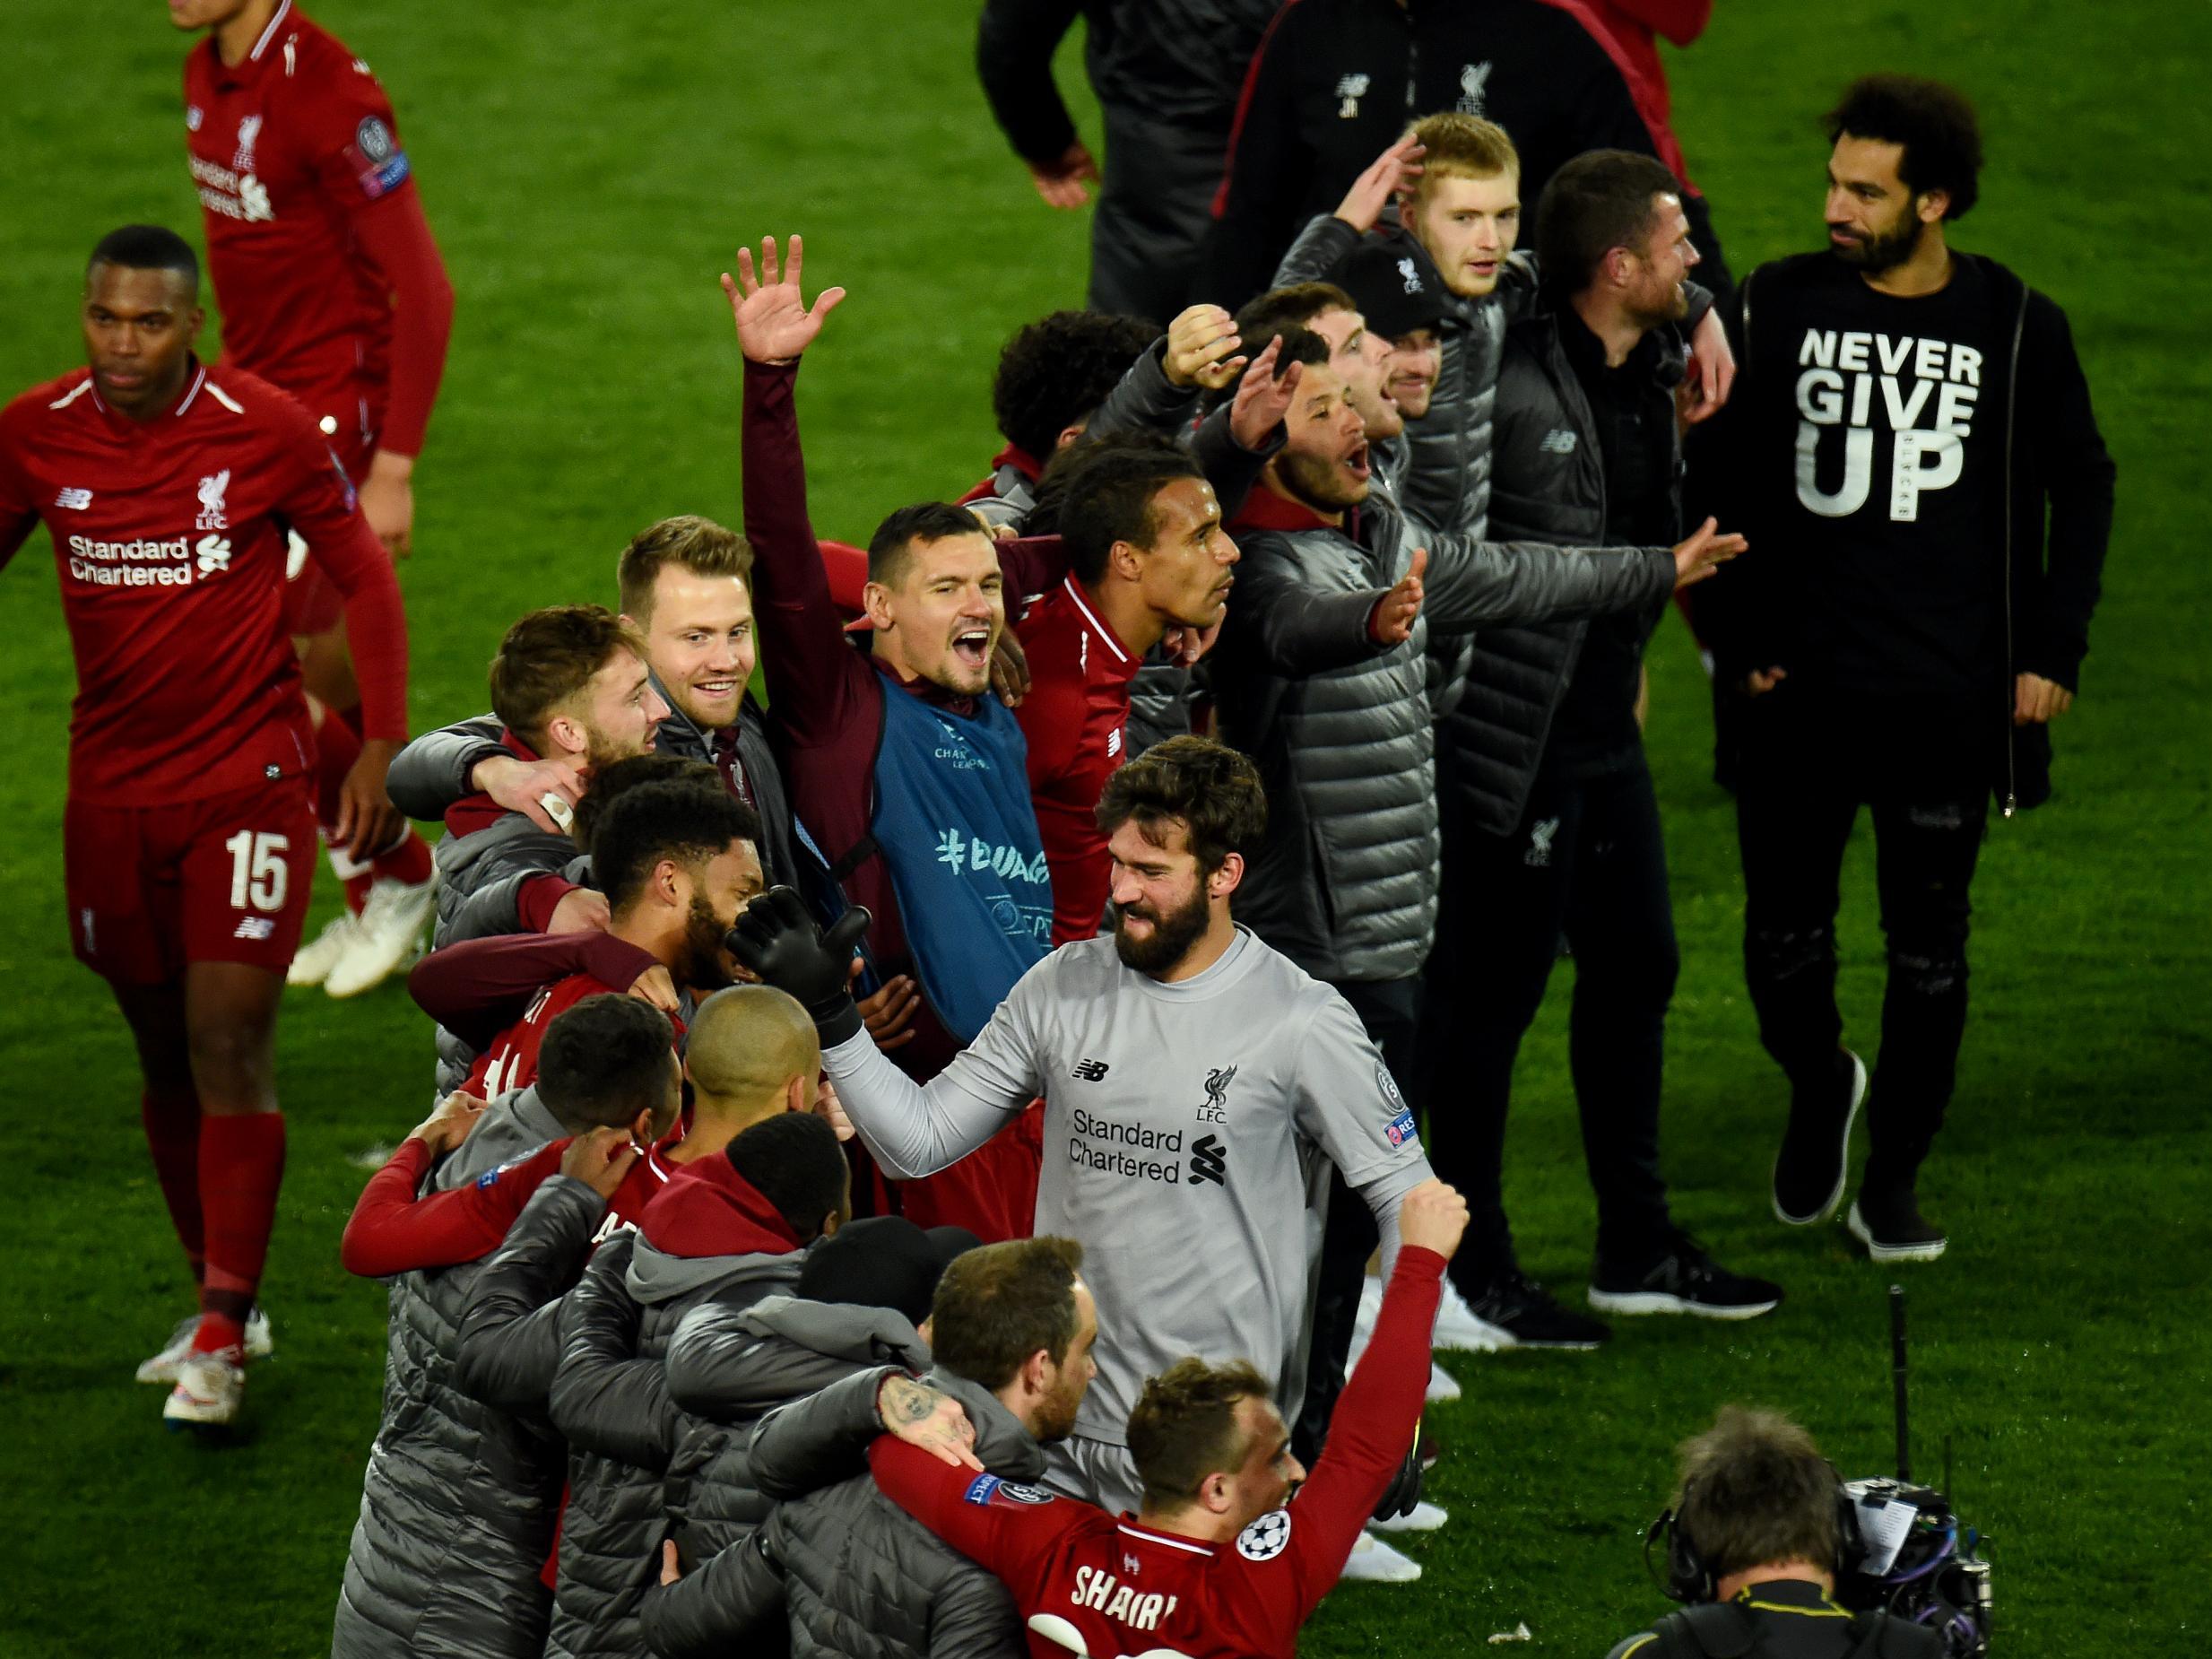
(776, 939)
(1404, 1490)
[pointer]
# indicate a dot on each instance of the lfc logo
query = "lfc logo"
(1216, 1109)
(214, 513)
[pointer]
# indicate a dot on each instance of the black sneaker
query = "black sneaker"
(1814, 1160)
(1685, 1281)
(1526, 1316)
(1890, 1225)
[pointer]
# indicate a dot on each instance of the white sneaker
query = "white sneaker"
(1372, 1561)
(1423, 1517)
(388, 932)
(210, 1389)
(1443, 1386)
(312, 962)
(1458, 1327)
(163, 1367)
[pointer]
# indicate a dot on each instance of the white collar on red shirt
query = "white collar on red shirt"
(1169, 1539)
(1092, 619)
(269, 34)
(191, 390)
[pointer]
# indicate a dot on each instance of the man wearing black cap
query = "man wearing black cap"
(1401, 303)
(862, 1301)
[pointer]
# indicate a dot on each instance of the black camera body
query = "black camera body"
(1910, 1556)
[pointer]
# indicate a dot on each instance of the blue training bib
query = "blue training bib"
(954, 823)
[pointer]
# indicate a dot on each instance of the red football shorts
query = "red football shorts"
(223, 879)
(312, 602)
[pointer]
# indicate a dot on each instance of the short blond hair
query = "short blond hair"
(687, 542)
(1462, 146)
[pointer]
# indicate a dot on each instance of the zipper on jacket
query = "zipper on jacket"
(2012, 402)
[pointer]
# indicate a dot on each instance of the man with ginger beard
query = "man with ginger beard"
(909, 775)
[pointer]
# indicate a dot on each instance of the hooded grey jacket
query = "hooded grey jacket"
(1494, 741)
(459, 1499)
(726, 1366)
(1345, 882)
(610, 1398)
(862, 1579)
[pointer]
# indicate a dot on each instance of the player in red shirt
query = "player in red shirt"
(189, 835)
(331, 288)
(1147, 552)
(677, 862)
(1216, 1565)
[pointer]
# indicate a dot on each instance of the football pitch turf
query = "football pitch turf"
(589, 170)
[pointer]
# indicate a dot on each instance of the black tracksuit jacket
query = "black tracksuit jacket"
(1336, 81)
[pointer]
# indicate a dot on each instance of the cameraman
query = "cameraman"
(1752, 1547)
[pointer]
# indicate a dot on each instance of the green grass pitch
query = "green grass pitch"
(589, 170)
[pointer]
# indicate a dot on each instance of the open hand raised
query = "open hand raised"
(773, 324)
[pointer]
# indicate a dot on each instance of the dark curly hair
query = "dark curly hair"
(1935, 122)
(1058, 370)
(1209, 789)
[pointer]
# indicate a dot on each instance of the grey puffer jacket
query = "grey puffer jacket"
(865, 1580)
(459, 1500)
(1493, 742)
(1345, 882)
(726, 1368)
(610, 1399)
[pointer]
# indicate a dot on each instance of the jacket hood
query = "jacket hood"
(513, 1126)
(838, 1330)
(656, 1276)
(1002, 1445)
(711, 1210)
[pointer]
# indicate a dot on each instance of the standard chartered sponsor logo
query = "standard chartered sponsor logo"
(142, 563)
(1114, 1148)
(232, 195)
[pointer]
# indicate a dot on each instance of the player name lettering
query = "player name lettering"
(1099, 1590)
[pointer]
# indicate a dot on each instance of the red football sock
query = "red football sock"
(172, 1121)
(409, 862)
(241, 1163)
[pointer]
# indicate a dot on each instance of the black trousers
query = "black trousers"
(1387, 1008)
(1809, 762)
(1155, 207)
(1585, 862)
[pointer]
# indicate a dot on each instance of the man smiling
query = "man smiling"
(909, 775)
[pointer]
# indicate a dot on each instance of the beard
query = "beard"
(601, 752)
(1319, 483)
(1055, 1417)
(1883, 250)
(700, 968)
(1174, 933)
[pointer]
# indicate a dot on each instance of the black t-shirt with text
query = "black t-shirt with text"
(1898, 463)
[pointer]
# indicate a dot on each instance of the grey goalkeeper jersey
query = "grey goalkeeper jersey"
(1181, 1123)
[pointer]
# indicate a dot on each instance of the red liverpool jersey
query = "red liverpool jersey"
(1125, 1589)
(1076, 718)
(287, 147)
(512, 1060)
(170, 536)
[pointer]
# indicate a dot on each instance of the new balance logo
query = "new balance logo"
(1209, 1161)
(256, 927)
(1090, 1070)
(1559, 441)
(75, 500)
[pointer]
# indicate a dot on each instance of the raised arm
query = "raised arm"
(1472, 584)
(434, 770)
(816, 679)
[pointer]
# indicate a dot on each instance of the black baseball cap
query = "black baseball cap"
(1393, 284)
(883, 1260)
